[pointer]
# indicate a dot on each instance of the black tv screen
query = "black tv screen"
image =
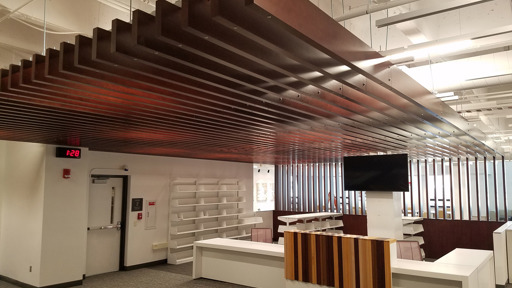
(376, 173)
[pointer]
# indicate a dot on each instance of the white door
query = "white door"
(104, 235)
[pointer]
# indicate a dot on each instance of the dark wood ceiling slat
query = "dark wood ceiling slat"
(227, 37)
(233, 80)
(264, 31)
(138, 57)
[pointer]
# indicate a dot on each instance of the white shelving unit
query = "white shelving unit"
(411, 228)
(323, 223)
(202, 209)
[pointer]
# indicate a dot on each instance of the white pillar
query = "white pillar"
(384, 214)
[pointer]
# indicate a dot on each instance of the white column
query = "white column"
(384, 214)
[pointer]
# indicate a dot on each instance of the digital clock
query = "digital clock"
(65, 152)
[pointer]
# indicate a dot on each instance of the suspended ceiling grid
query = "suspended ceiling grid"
(229, 80)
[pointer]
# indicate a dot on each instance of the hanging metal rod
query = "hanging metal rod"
(44, 30)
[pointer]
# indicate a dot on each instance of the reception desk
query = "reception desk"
(258, 264)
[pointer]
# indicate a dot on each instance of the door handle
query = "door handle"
(106, 227)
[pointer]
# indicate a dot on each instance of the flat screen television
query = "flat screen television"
(376, 173)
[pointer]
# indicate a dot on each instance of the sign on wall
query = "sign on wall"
(137, 204)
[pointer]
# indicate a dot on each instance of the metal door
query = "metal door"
(104, 225)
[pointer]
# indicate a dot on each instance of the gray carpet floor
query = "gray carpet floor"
(158, 276)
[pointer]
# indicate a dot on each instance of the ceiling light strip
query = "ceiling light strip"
(432, 10)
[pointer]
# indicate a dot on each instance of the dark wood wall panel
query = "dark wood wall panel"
(442, 236)
(355, 224)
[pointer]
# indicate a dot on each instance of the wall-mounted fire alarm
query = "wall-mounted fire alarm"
(66, 173)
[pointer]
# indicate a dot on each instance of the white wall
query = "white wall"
(150, 179)
(64, 219)
(22, 192)
(43, 217)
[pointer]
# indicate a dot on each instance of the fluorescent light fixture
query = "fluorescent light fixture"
(442, 7)
(445, 94)
(490, 76)
(450, 98)
(494, 135)
(394, 59)
(435, 50)
(372, 62)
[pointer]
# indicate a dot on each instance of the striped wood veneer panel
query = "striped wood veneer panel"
(334, 260)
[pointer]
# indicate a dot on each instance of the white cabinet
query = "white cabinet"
(411, 229)
(202, 209)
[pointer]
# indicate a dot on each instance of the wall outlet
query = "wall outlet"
(30, 269)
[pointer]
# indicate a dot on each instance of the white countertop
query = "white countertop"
(308, 216)
(466, 257)
(456, 265)
(502, 228)
(243, 246)
(432, 269)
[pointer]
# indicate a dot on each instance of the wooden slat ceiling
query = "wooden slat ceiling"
(253, 81)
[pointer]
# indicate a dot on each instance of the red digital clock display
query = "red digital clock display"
(65, 152)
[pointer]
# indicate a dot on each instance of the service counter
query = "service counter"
(258, 264)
